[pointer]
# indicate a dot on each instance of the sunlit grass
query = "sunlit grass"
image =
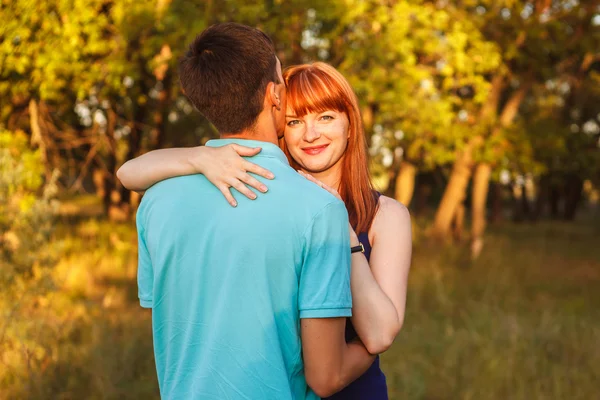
(518, 323)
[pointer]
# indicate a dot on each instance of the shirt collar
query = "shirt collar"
(268, 149)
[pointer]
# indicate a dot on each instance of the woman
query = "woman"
(324, 140)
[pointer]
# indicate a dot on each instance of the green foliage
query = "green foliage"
(49, 49)
(423, 69)
(544, 47)
(26, 222)
(104, 76)
(26, 206)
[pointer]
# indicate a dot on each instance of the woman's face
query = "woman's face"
(317, 141)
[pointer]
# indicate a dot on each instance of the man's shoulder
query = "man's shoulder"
(177, 182)
(172, 190)
(308, 195)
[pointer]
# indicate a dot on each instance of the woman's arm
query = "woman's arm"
(379, 289)
(224, 167)
(379, 292)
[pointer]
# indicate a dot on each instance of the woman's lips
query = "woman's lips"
(313, 151)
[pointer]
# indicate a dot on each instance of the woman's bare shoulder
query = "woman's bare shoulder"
(391, 208)
(392, 217)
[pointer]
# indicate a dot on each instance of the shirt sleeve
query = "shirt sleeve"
(325, 277)
(145, 274)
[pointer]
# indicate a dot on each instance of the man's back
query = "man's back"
(228, 286)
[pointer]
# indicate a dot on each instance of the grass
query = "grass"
(521, 322)
(518, 323)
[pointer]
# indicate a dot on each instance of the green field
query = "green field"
(519, 323)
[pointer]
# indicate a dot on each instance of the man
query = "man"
(229, 286)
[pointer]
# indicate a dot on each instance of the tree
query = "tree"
(419, 72)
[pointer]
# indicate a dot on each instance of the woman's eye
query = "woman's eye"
(327, 117)
(293, 122)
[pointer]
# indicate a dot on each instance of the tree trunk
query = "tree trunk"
(110, 181)
(163, 74)
(367, 117)
(519, 203)
(455, 190)
(525, 206)
(541, 198)
(134, 144)
(423, 192)
(405, 183)
(497, 208)
(481, 182)
(554, 200)
(98, 178)
(511, 107)
(161, 117)
(490, 107)
(461, 171)
(459, 222)
(483, 172)
(453, 195)
(573, 194)
(37, 138)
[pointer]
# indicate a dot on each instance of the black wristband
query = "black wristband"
(359, 248)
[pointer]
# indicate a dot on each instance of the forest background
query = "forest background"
(482, 116)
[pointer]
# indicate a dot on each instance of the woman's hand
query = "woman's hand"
(321, 184)
(226, 168)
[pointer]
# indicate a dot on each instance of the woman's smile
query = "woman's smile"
(315, 150)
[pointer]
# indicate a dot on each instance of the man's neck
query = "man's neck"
(251, 135)
(263, 130)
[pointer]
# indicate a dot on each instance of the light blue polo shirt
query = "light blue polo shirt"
(228, 286)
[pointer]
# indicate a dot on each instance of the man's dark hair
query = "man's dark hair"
(225, 74)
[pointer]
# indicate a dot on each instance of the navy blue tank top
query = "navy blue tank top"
(371, 385)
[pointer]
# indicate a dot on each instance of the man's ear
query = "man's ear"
(273, 95)
(280, 91)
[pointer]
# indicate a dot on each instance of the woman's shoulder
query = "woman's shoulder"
(391, 216)
(391, 208)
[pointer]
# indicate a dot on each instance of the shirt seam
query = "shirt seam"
(335, 311)
(312, 220)
(348, 306)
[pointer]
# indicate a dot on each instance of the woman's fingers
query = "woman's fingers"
(332, 191)
(253, 182)
(246, 151)
(258, 170)
(312, 179)
(318, 182)
(227, 193)
(243, 189)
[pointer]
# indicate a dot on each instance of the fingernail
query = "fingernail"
(253, 197)
(263, 188)
(270, 176)
(234, 204)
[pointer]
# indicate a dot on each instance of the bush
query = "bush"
(27, 212)
(26, 207)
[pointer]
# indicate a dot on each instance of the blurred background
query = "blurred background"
(482, 116)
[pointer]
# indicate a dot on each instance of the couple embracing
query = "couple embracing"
(291, 286)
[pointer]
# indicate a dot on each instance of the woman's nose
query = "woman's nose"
(312, 133)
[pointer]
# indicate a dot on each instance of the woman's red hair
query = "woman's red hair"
(317, 87)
